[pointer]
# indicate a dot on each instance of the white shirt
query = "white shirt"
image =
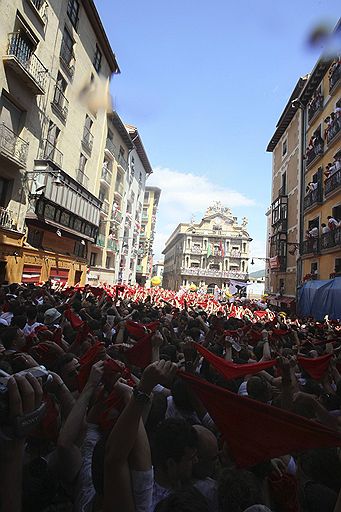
(28, 329)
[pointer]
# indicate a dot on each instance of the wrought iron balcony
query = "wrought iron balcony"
(119, 188)
(110, 148)
(100, 240)
(106, 175)
(20, 57)
(196, 250)
(334, 77)
(314, 153)
(122, 162)
(50, 152)
(88, 140)
(66, 58)
(210, 272)
(331, 240)
(315, 106)
(112, 245)
(105, 207)
(235, 254)
(13, 147)
(82, 178)
(6, 220)
(333, 130)
(59, 103)
(116, 216)
(310, 246)
(313, 198)
(333, 183)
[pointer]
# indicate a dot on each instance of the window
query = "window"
(284, 147)
(66, 50)
(122, 152)
(146, 197)
(82, 162)
(93, 259)
(35, 237)
(11, 115)
(314, 223)
(79, 249)
(284, 183)
(336, 212)
(72, 12)
(97, 59)
(108, 262)
(314, 268)
(337, 265)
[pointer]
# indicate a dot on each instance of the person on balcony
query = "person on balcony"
(314, 232)
(333, 223)
(311, 187)
(325, 229)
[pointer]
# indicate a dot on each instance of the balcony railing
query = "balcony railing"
(314, 197)
(210, 272)
(60, 103)
(13, 146)
(333, 130)
(335, 76)
(195, 250)
(106, 175)
(87, 140)
(235, 254)
(110, 146)
(100, 240)
(311, 246)
(66, 57)
(82, 178)
(119, 188)
(331, 239)
(315, 106)
(333, 182)
(116, 216)
(105, 207)
(5, 218)
(27, 61)
(50, 152)
(112, 245)
(122, 161)
(314, 153)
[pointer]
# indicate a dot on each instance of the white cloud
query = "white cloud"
(184, 195)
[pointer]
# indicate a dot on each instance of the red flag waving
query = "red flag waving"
(140, 355)
(86, 362)
(255, 432)
(316, 367)
(231, 370)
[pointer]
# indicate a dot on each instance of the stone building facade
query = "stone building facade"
(209, 253)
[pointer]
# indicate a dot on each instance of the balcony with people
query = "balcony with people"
(333, 176)
(333, 126)
(311, 243)
(334, 75)
(331, 234)
(313, 195)
(315, 148)
(315, 105)
(13, 147)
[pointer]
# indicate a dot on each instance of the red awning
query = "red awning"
(31, 274)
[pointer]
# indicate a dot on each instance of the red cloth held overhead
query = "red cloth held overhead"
(137, 331)
(140, 355)
(255, 432)
(231, 370)
(74, 319)
(82, 333)
(316, 367)
(86, 362)
(260, 313)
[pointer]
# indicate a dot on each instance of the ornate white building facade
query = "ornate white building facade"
(209, 253)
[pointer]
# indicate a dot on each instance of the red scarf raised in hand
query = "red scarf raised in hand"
(231, 370)
(316, 367)
(255, 432)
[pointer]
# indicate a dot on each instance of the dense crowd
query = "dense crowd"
(123, 399)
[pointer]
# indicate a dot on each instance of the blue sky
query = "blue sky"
(205, 83)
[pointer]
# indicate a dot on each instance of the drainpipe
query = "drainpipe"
(299, 263)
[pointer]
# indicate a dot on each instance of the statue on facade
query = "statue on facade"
(217, 207)
(244, 222)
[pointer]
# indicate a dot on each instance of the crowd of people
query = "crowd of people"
(128, 399)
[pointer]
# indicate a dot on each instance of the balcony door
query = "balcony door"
(51, 142)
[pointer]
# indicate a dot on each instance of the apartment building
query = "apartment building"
(284, 213)
(55, 59)
(306, 184)
(210, 253)
(144, 266)
(321, 182)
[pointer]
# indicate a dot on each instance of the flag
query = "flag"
(209, 249)
(255, 432)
